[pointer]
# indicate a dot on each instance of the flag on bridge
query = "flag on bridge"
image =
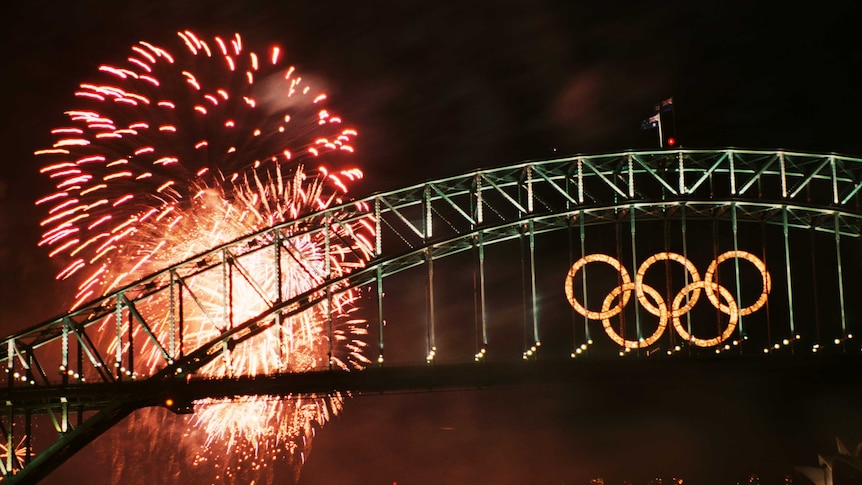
(665, 106)
(650, 123)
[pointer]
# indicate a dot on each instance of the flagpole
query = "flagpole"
(673, 112)
(660, 139)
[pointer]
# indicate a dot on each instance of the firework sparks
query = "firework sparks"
(152, 133)
(171, 153)
(18, 451)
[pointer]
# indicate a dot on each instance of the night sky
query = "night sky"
(440, 89)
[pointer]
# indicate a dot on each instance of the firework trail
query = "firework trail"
(173, 152)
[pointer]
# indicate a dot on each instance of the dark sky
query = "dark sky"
(441, 88)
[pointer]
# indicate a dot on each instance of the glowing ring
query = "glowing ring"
(639, 282)
(710, 273)
(605, 313)
(732, 311)
(626, 289)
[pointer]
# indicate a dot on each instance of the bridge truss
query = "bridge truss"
(466, 236)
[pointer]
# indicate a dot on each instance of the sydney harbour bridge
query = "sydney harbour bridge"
(529, 272)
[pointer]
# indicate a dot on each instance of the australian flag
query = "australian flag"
(665, 106)
(650, 123)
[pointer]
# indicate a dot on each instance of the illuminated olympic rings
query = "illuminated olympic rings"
(680, 305)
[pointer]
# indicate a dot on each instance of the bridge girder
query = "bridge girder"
(61, 369)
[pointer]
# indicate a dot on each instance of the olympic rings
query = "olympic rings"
(681, 304)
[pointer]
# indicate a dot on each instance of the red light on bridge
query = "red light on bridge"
(671, 141)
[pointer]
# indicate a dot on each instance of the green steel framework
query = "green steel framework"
(61, 374)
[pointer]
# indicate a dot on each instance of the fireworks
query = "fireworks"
(19, 450)
(171, 153)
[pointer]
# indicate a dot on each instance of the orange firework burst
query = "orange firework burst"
(153, 131)
(172, 153)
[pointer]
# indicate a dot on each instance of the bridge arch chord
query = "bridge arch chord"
(68, 373)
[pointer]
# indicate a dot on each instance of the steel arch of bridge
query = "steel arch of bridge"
(62, 373)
